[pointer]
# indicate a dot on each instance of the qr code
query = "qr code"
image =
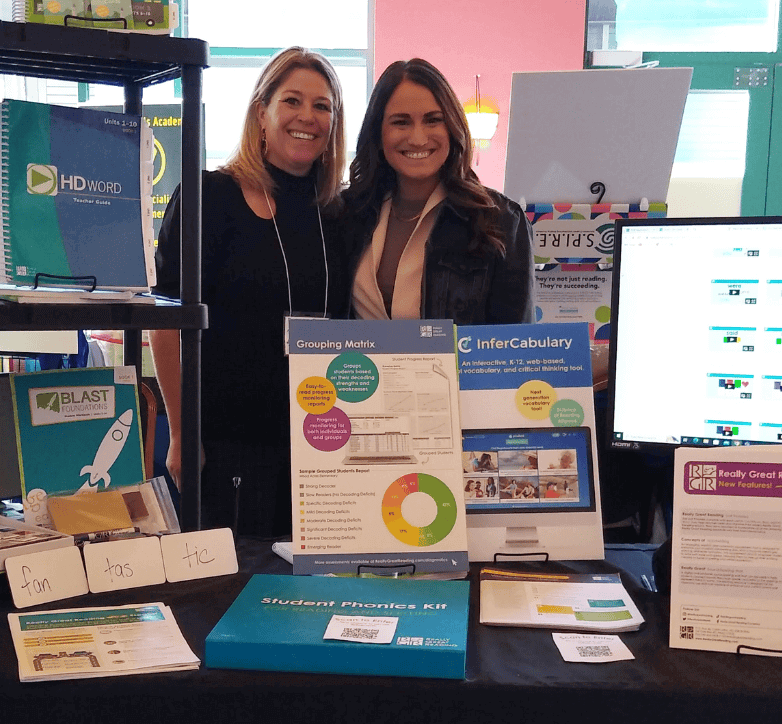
(686, 632)
(593, 652)
(360, 633)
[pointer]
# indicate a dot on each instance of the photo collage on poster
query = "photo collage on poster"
(515, 468)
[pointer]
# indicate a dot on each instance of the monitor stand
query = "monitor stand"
(522, 537)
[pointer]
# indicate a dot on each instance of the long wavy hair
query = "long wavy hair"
(372, 178)
(247, 165)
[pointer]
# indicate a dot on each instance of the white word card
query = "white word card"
(200, 554)
(46, 576)
(130, 563)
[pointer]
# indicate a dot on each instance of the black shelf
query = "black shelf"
(42, 317)
(96, 56)
(134, 61)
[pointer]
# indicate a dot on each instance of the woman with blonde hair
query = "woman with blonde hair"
(268, 250)
(427, 239)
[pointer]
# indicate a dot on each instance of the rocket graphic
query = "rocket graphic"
(108, 452)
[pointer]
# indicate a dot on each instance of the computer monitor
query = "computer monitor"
(529, 491)
(696, 337)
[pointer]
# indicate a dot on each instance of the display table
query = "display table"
(513, 675)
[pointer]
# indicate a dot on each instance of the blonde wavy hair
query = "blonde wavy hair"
(247, 165)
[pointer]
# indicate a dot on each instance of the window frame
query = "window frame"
(761, 193)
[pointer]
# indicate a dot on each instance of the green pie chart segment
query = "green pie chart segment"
(422, 536)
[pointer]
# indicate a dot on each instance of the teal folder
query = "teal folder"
(277, 623)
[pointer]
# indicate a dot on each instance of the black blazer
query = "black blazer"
(468, 287)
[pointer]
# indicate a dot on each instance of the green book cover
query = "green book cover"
(151, 16)
(77, 430)
(73, 197)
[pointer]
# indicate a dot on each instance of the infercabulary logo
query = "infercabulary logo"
(45, 180)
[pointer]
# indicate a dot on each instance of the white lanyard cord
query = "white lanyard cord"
(285, 258)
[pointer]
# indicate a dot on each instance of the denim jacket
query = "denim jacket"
(470, 287)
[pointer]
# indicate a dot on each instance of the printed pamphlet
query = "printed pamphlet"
(726, 563)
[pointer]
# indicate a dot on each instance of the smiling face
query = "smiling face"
(298, 121)
(415, 139)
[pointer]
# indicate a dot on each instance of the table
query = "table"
(513, 675)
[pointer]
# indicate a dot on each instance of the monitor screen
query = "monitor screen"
(528, 490)
(534, 469)
(696, 336)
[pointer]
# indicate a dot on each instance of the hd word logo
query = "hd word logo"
(41, 179)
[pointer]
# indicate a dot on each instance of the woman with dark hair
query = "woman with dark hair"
(486, 463)
(426, 239)
(266, 252)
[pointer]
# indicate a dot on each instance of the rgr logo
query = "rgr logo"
(41, 179)
(703, 477)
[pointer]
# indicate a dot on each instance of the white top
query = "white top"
(406, 302)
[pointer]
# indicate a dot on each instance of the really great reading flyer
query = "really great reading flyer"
(375, 447)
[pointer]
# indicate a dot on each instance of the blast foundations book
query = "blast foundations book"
(76, 430)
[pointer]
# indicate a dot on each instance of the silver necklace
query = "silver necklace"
(403, 219)
(285, 258)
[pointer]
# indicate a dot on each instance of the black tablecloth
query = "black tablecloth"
(513, 675)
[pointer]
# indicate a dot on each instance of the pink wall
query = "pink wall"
(493, 38)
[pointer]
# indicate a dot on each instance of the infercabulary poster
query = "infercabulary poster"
(520, 376)
(375, 447)
(726, 566)
(530, 375)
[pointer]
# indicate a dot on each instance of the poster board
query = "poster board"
(516, 380)
(569, 129)
(574, 255)
(375, 447)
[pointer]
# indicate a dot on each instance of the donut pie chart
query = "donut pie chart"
(427, 535)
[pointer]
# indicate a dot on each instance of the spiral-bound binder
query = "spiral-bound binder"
(75, 197)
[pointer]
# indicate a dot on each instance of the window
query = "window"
(729, 159)
(241, 42)
(679, 26)
(713, 136)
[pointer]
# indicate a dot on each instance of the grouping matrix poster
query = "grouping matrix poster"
(376, 474)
